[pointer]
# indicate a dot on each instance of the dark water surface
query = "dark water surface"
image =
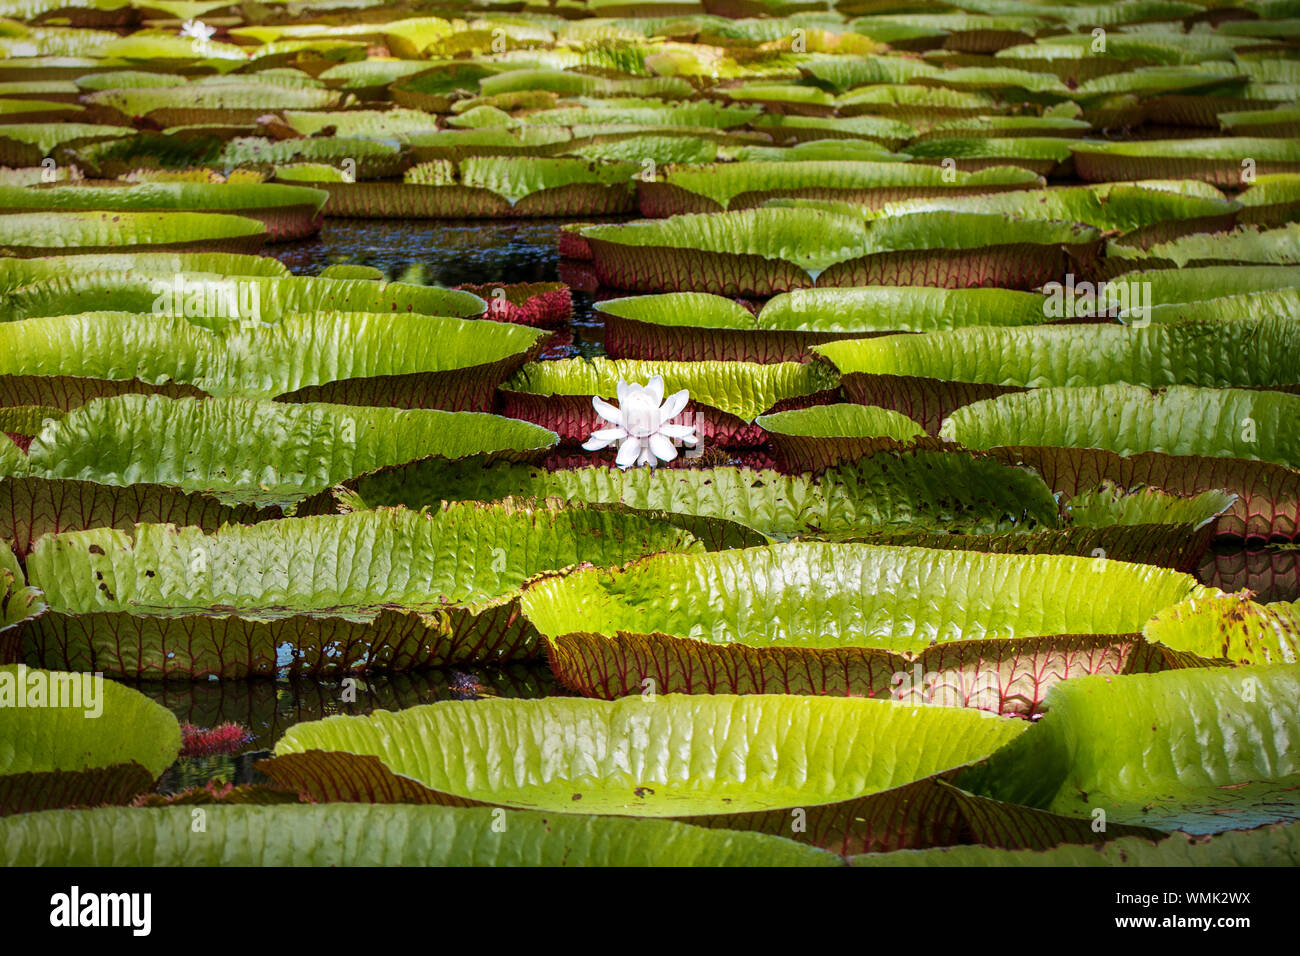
(267, 708)
(450, 253)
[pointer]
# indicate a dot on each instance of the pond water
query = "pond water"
(267, 708)
(450, 253)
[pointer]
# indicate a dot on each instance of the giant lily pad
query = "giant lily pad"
(372, 159)
(1184, 440)
(493, 187)
(18, 604)
(755, 624)
(381, 590)
(1222, 162)
(744, 185)
(731, 762)
(770, 250)
(46, 233)
(912, 491)
(698, 326)
(1271, 200)
(928, 376)
(1160, 289)
(26, 144)
(288, 212)
(1267, 496)
(811, 439)
(1040, 155)
(890, 133)
(258, 452)
(914, 104)
(345, 358)
(1231, 627)
(1006, 127)
(818, 150)
(1143, 525)
(457, 144)
(911, 495)
(20, 272)
(76, 739)
(153, 287)
(1278, 121)
(32, 507)
(357, 835)
(230, 101)
(365, 124)
(1196, 750)
(644, 112)
(1279, 246)
(1127, 420)
(1143, 212)
(1276, 845)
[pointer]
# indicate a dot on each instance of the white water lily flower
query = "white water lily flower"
(641, 424)
(198, 30)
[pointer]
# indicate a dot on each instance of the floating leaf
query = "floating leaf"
(1230, 627)
(904, 491)
(46, 233)
(1127, 420)
(751, 623)
(694, 326)
(770, 250)
(347, 358)
(74, 738)
(1202, 750)
(721, 760)
(288, 212)
(384, 590)
(353, 835)
(258, 452)
(1277, 845)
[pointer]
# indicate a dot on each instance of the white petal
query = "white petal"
(683, 432)
(627, 452)
(603, 438)
(607, 411)
(621, 391)
(674, 405)
(655, 387)
(647, 457)
(662, 448)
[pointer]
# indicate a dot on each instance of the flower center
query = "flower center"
(641, 418)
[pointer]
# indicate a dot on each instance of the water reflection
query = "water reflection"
(1272, 573)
